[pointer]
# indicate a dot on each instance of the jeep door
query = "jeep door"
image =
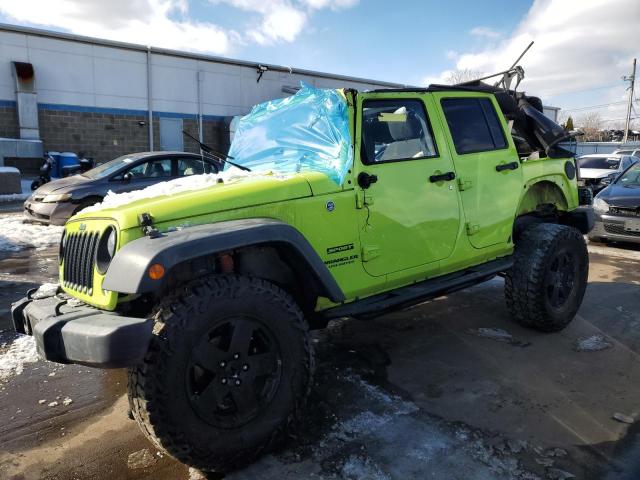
(487, 165)
(409, 207)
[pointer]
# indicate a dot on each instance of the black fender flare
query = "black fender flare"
(127, 272)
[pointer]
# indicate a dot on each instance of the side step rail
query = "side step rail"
(415, 293)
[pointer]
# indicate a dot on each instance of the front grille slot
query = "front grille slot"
(619, 230)
(79, 259)
(626, 212)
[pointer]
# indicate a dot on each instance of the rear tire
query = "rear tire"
(227, 372)
(546, 285)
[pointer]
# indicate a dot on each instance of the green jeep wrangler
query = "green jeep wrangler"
(332, 203)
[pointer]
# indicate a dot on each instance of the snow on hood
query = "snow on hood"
(596, 172)
(179, 185)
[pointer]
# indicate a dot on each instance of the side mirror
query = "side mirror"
(126, 178)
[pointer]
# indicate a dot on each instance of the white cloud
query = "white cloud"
(148, 22)
(166, 23)
(332, 4)
(579, 45)
(281, 20)
(485, 32)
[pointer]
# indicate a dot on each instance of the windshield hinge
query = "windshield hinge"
(472, 228)
(363, 199)
(464, 184)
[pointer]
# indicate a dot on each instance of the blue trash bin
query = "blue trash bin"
(55, 170)
(68, 161)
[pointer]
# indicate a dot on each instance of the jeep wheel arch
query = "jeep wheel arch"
(540, 193)
(127, 272)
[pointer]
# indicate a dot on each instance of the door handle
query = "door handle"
(507, 166)
(444, 177)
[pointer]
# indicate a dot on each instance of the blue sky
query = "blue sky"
(401, 44)
(582, 47)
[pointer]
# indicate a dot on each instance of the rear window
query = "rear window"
(474, 124)
(601, 163)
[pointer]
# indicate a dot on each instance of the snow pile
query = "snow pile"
(22, 350)
(179, 185)
(16, 234)
(46, 290)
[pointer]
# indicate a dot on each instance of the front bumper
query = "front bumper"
(582, 218)
(49, 213)
(67, 331)
(611, 227)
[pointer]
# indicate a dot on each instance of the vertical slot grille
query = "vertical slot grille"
(79, 259)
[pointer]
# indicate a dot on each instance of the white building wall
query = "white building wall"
(81, 73)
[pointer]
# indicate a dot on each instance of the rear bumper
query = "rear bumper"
(77, 333)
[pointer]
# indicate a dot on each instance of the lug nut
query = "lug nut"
(224, 381)
(223, 364)
(245, 367)
(236, 356)
(238, 382)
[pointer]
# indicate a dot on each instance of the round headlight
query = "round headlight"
(106, 250)
(111, 243)
(63, 244)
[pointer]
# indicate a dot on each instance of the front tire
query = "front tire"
(226, 374)
(545, 287)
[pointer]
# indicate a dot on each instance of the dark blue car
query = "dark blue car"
(617, 209)
(56, 201)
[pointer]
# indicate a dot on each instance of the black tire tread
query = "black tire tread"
(524, 281)
(146, 397)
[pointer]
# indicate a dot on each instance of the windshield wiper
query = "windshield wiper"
(223, 157)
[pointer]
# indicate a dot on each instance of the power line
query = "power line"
(571, 92)
(594, 107)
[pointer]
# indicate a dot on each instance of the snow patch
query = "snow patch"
(497, 334)
(357, 468)
(594, 343)
(46, 290)
(22, 350)
(179, 185)
(17, 234)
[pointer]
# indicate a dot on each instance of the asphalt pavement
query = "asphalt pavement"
(447, 389)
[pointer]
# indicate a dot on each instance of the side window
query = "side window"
(395, 130)
(473, 124)
(194, 166)
(152, 169)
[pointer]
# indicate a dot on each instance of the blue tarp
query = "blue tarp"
(308, 131)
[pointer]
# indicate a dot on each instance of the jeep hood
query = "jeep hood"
(180, 201)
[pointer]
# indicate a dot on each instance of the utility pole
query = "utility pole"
(631, 79)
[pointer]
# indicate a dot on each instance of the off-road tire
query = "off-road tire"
(529, 284)
(157, 393)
